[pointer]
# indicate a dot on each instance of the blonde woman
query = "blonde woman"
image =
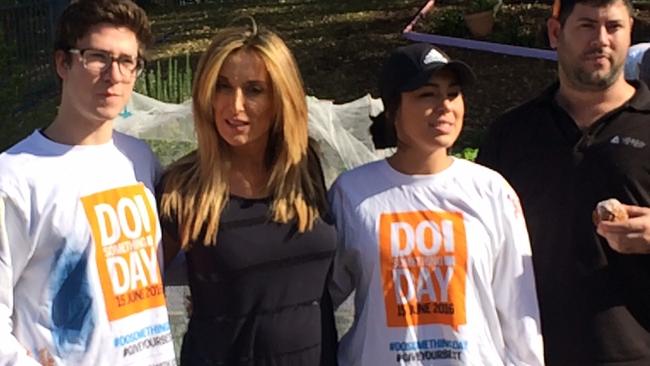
(248, 208)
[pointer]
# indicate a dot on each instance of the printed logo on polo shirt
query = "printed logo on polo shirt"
(628, 141)
(124, 229)
(423, 258)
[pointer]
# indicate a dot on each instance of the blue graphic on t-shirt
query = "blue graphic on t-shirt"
(125, 113)
(73, 313)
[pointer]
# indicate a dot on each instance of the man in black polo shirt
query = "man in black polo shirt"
(583, 140)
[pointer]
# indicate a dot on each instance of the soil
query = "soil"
(506, 81)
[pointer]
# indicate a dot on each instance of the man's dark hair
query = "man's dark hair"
(566, 6)
(81, 15)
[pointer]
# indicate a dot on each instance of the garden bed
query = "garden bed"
(518, 24)
(504, 81)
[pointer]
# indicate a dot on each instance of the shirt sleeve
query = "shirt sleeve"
(14, 254)
(513, 285)
(345, 274)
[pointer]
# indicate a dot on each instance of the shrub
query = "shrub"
(468, 153)
(512, 30)
(449, 22)
(478, 6)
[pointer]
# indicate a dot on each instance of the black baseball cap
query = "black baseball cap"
(410, 67)
(406, 69)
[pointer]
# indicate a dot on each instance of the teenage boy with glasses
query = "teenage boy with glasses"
(80, 282)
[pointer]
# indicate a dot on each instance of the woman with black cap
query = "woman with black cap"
(435, 247)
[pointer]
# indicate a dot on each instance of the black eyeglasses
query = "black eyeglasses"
(98, 61)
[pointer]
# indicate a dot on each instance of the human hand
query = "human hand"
(46, 358)
(631, 236)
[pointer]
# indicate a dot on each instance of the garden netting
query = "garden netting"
(340, 129)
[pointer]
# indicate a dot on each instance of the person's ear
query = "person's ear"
(553, 29)
(62, 63)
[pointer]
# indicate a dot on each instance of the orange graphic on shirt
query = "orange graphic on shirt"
(124, 229)
(424, 268)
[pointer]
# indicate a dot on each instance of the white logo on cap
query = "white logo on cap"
(435, 56)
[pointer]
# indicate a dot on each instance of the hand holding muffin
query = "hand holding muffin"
(626, 227)
(609, 210)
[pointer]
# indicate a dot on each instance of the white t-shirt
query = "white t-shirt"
(441, 265)
(80, 282)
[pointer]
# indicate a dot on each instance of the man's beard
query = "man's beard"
(593, 80)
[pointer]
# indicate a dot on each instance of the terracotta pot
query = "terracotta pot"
(480, 24)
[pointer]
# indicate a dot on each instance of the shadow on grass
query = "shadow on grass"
(339, 45)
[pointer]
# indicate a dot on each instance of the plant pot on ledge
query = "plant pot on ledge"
(479, 16)
(480, 24)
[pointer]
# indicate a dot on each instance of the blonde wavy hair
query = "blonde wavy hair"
(196, 189)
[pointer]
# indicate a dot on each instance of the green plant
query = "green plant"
(468, 153)
(171, 83)
(449, 22)
(511, 29)
(477, 6)
(521, 25)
